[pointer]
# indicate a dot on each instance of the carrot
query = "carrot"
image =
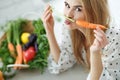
(89, 25)
(20, 54)
(17, 32)
(9, 38)
(80, 23)
(25, 62)
(1, 76)
(11, 49)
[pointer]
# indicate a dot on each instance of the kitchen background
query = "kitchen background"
(32, 9)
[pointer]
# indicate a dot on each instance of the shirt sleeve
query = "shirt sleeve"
(67, 58)
(111, 56)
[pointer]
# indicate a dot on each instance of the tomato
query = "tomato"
(25, 37)
(29, 54)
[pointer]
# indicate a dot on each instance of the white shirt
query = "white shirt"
(111, 55)
(110, 58)
(67, 58)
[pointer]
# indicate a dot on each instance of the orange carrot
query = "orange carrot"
(16, 62)
(89, 25)
(25, 62)
(81, 23)
(1, 76)
(17, 32)
(9, 40)
(20, 55)
(11, 49)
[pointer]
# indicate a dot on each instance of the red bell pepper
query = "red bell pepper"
(29, 54)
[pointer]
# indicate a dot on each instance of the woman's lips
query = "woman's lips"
(68, 22)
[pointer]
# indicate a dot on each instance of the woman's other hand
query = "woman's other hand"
(99, 42)
(48, 20)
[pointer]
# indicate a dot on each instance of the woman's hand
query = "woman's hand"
(48, 20)
(100, 41)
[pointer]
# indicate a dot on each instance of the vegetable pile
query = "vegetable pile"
(25, 42)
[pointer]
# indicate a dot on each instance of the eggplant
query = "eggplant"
(32, 38)
(32, 41)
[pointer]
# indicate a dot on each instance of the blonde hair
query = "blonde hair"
(96, 12)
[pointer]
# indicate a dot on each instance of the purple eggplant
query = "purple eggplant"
(32, 41)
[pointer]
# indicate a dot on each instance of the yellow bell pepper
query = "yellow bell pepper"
(25, 37)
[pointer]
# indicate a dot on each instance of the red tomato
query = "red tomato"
(29, 54)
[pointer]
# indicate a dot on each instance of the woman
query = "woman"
(98, 49)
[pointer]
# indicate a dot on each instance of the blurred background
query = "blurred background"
(29, 9)
(33, 9)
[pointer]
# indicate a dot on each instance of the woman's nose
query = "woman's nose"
(70, 14)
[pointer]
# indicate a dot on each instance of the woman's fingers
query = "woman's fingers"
(47, 8)
(48, 20)
(101, 37)
(98, 40)
(46, 12)
(47, 17)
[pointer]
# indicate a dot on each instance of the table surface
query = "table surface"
(77, 72)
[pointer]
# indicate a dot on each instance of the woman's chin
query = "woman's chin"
(69, 27)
